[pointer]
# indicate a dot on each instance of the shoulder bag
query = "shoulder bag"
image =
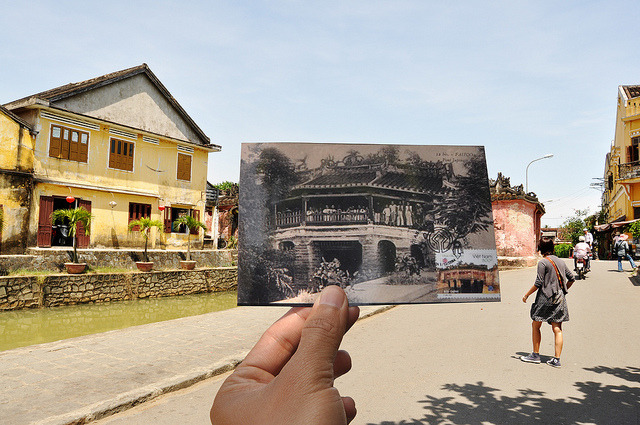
(557, 297)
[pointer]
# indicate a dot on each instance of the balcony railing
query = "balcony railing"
(289, 219)
(629, 170)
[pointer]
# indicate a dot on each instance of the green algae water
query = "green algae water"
(21, 328)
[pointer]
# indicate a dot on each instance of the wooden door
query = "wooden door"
(167, 220)
(44, 221)
(83, 238)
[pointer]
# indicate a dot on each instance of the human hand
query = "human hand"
(287, 378)
(524, 299)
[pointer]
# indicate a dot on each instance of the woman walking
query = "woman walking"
(621, 248)
(552, 282)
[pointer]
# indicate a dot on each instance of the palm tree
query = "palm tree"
(74, 217)
(192, 224)
(144, 225)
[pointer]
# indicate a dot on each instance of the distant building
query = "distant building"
(516, 218)
(118, 145)
(227, 216)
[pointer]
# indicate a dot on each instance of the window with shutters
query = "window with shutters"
(68, 143)
(121, 154)
(184, 167)
(176, 213)
(137, 211)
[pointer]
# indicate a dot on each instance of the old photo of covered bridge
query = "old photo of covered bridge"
(388, 223)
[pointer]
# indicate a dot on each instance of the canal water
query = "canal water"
(21, 328)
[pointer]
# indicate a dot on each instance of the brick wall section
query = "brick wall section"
(54, 290)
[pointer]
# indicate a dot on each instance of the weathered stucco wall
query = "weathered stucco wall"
(135, 102)
(515, 224)
(15, 198)
(55, 290)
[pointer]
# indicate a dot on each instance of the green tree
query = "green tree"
(277, 173)
(573, 227)
(73, 217)
(193, 225)
(144, 225)
(634, 228)
(468, 209)
(226, 186)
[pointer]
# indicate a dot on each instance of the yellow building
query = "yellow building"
(621, 198)
(119, 145)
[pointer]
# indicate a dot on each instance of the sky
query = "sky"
(521, 78)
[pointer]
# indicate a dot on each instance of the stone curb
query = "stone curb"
(141, 395)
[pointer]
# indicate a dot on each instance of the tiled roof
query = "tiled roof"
(17, 119)
(632, 91)
(71, 89)
(75, 88)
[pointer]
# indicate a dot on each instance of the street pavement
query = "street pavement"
(84, 378)
(459, 363)
(414, 364)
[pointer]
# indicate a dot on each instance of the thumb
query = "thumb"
(321, 336)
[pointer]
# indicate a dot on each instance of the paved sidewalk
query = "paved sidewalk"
(81, 379)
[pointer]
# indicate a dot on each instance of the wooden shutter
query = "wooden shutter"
(1, 214)
(44, 221)
(55, 140)
(83, 238)
(128, 158)
(167, 220)
(184, 167)
(74, 141)
(64, 144)
(196, 215)
(83, 147)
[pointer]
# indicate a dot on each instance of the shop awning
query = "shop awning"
(615, 224)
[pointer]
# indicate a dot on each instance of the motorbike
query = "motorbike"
(581, 268)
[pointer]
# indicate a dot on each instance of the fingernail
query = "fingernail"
(332, 295)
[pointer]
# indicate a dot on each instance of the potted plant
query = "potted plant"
(192, 225)
(73, 217)
(144, 225)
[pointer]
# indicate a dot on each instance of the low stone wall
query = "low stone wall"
(17, 292)
(43, 259)
(508, 263)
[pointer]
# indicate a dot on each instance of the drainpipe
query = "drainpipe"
(19, 151)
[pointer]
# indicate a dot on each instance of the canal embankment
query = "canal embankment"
(18, 292)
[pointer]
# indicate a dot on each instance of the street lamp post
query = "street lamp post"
(549, 155)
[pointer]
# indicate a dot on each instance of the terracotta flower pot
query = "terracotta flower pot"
(75, 268)
(187, 265)
(144, 266)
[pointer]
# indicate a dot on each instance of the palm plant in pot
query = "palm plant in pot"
(144, 226)
(73, 217)
(193, 226)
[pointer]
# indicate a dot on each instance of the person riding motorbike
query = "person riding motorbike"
(581, 251)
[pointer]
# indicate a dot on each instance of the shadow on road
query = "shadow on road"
(635, 280)
(478, 404)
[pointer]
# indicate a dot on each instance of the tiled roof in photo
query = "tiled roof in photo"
(341, 178)
(386, 179)
(414, 182)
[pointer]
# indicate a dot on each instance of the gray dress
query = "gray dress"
(544, 309)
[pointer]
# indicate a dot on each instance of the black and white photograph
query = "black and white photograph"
(390, 224)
